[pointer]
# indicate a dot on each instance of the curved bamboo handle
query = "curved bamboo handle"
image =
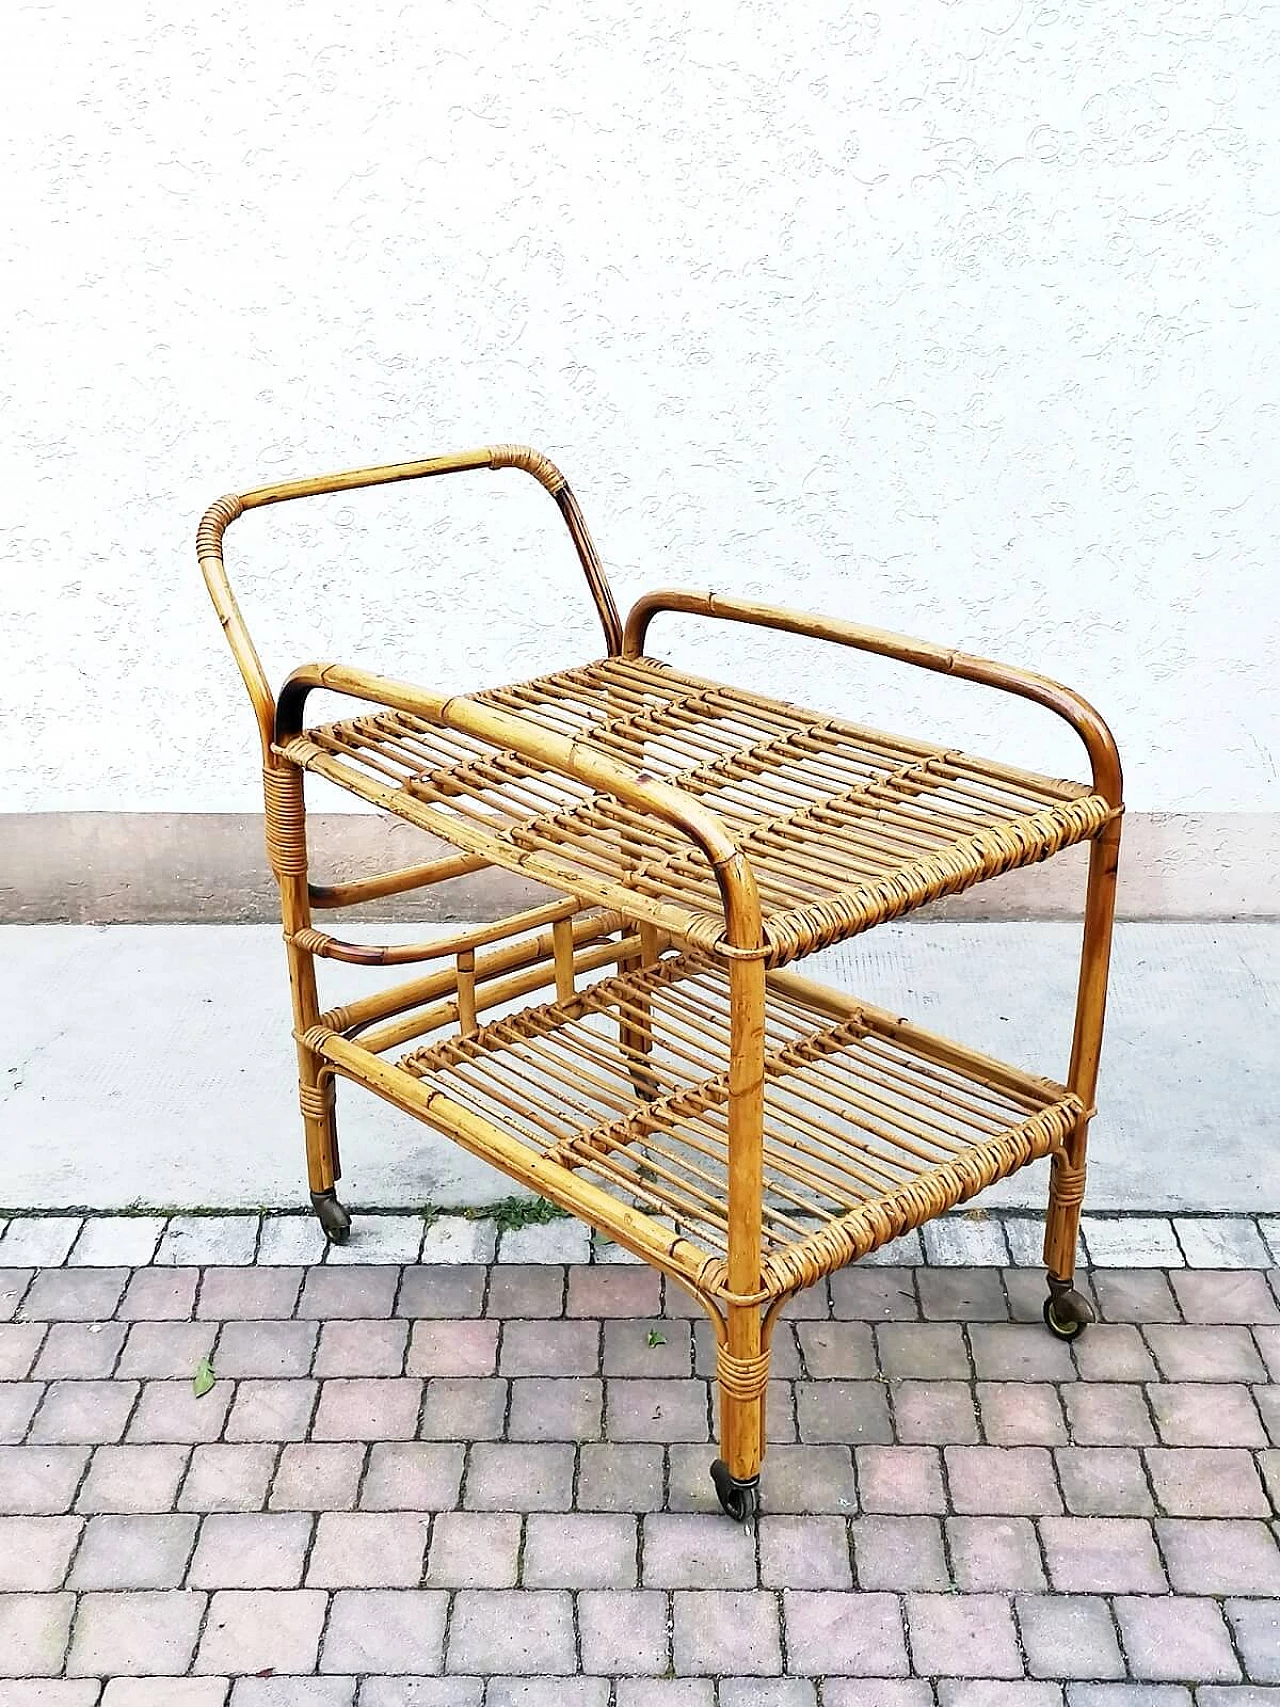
(219, 516)
(571, 757)
(1088, 725)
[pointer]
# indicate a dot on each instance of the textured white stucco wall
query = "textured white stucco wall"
(956, 318)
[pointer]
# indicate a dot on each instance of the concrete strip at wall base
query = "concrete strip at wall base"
(144, 867)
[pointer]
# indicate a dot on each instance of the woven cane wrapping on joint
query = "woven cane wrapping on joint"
(285, 821)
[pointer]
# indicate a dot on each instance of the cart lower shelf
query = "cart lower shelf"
(872, 1126)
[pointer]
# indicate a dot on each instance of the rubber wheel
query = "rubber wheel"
(739, 1500)
(332, 1216)
(1068, 1316)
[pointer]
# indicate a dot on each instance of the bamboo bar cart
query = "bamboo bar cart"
(639, 1050)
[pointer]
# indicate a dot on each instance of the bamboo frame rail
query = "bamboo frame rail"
(668, 1077)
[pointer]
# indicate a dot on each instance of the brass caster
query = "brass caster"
(331, 1215)
(1067, 1313)
(740, 1500)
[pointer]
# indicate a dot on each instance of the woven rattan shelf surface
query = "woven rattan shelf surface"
(843, 826)
(871, 1126)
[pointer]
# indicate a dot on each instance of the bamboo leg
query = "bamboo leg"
(287, 849)
(1067, 1311)
(743, 1358)
(635, 1028)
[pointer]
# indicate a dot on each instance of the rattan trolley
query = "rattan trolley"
(670, 1078)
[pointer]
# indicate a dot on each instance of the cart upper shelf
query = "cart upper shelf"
(842, 826)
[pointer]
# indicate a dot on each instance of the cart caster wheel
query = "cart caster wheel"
(331, 1215)
(741, 1500)
(1068, 1314)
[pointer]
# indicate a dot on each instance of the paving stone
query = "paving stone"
(861, 1294)
(548, 1692)
(1024, 1235)
(665, 1692)
(88, 1413)
(934, 1413)
(273, 1349)
(522, 1633)
(550, 1347)
(40, 1480)
(564, 1240)
(847, 1412)
(1113, 1351)
(1021, 1413)
(657, 1346)
(525, 1290)
(1221, 1242)
(422, 1691)
(454, 1239)
(462, 1408)
(962, 1295)
(38, 1241)
(519, 1478)
(1002, 1480)
(994, 1554)
(1225, 1297)
(291, 1241)
(1027, 1292)
(256, 1630)
(319, 1476)
(170, 1411)
(362, 1348)
(963, 1635)
(74, 1295)
(79, 1351)
(1205, 1354)
(129, 1478)
(1175, 1638)
(626, 1292)
(368, 1549)
(623, 1632)
(833, 1350)
(224, 1477)
(143, 1635)
(767, 1692)
(450, 1291)
(1105, 1413)
(48, 1692)
(619, 1477)
(804, 1552)
(35, 1552)
(1188, 1415)
(271, 1410)
(1220, 1556)
(168, 1692)
(200, 1241)
(33, 1632)
(1016, 1351)
(965, 1240)
(1103, 1481)
(1256, 1624)
(823, 1638)
(165, 1350)
(697, 1550)
(1130, 1241)
(255, 1294)
(328, 1293)
(421, 1476)
(1269, 1468)
(656, 1410)
(725, 1630)
(905, 1252)
(925, 1351)
(1203, 1481)
(879, 1692)
(896, 1553)
(467, 1347)
(567, 1409)
(1102, 1555)
(367, 1409)
(1233, 1695)
(582, 1550)
(134, 1552)
(380, 1239)
(251, 1550)
(1134, 1295)
(1269, 1226)
(19, 1344)
(1068, 1636)
(1268, 1342)
(1130, 1695)
(900, 1479)
(160, 1295)
(19, 1401)
(291, 1692)
(474, 1549)
(13, 1286)
(605, 1250)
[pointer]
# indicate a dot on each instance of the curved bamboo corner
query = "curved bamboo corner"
(740, 1127)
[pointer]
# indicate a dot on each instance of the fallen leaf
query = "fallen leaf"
(204, 1378)
(653, 1337)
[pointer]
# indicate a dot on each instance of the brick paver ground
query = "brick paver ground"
(487, 1487)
